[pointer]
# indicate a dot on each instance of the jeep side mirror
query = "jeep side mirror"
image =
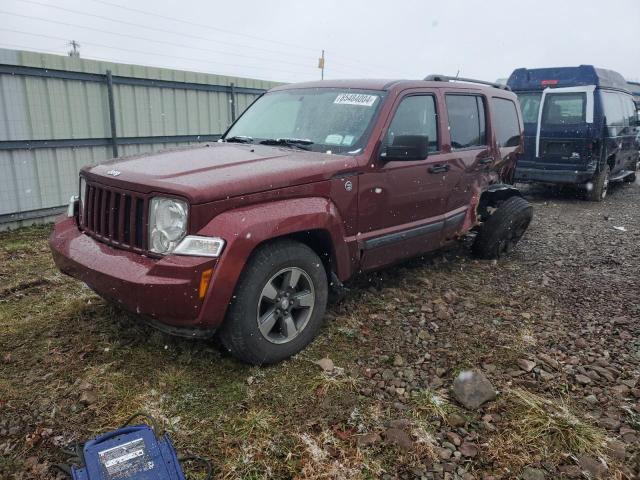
(406, 147)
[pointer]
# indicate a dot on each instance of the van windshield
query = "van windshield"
(564, 109)
(530, 104)
(318, 119)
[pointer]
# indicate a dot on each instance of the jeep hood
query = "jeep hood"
(219, 170)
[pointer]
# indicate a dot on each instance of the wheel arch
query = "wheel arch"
(317, 239)
(492, 196)
(314, 222)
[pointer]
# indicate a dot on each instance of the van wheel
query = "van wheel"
(279, 304)
(630, 178)
(600, 185)
(502, 231)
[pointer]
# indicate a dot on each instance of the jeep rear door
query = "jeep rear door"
(472, 152)
(402, 204)
(507, 131)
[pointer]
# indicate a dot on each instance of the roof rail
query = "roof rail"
(446, 78)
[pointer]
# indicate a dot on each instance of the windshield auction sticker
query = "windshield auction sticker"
(356, 99)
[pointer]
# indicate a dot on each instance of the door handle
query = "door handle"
(438, 168)
(486, 160)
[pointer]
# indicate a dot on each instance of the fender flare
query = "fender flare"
(495, 192)
(499, 187)
(245, 228)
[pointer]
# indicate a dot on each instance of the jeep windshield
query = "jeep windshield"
(319, 119)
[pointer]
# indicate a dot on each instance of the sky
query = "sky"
(282, 40)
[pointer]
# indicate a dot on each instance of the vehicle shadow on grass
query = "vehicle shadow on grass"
(130, 330)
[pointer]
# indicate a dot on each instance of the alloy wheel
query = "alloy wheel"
(285, 305)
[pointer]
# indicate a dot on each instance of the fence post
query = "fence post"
(232, 100)
(112, 115)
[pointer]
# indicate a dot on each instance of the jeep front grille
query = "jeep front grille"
(116, 217)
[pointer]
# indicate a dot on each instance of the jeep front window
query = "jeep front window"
(318, 119)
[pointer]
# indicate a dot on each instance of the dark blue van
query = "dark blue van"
(580, 127)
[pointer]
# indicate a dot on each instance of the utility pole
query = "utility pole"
(74, 52)
(321, 65)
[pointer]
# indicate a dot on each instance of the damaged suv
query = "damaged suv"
(315, 182)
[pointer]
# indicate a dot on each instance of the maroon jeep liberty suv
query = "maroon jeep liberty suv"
(315, 182)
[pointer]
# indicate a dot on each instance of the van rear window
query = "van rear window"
(564, 108)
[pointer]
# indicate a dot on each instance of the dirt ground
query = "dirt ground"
(555, 327)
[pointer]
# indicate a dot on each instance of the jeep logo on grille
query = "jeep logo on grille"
(114, 173)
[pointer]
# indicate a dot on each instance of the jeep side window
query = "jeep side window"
(507, 125)
(466, 121)
(416, 115)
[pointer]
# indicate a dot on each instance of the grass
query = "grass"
(72, 365)
(539, 429)
(433, 405)
(62, 345)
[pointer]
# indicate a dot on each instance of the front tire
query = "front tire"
(279, 304)
(502, 231)
(600, 185)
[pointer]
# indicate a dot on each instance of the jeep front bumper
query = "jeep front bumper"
(164, 290)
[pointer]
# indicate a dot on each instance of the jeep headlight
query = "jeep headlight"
(167, 224)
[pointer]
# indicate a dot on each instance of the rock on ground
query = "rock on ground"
(472, 388)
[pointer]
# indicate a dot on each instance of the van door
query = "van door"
(620, 130)
(565, 129)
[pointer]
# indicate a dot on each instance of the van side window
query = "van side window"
(564, 109)
(416, 115)
(507, 125)
(612, 107)
(530, 106)
(629, 110)
(467, 124)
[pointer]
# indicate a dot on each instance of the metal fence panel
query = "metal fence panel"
(55, 118)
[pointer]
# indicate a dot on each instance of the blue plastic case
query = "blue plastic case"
(132, 452)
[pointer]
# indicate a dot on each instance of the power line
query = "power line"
(209, 27)
(31, 17)
(179, 57)
(161, 30)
